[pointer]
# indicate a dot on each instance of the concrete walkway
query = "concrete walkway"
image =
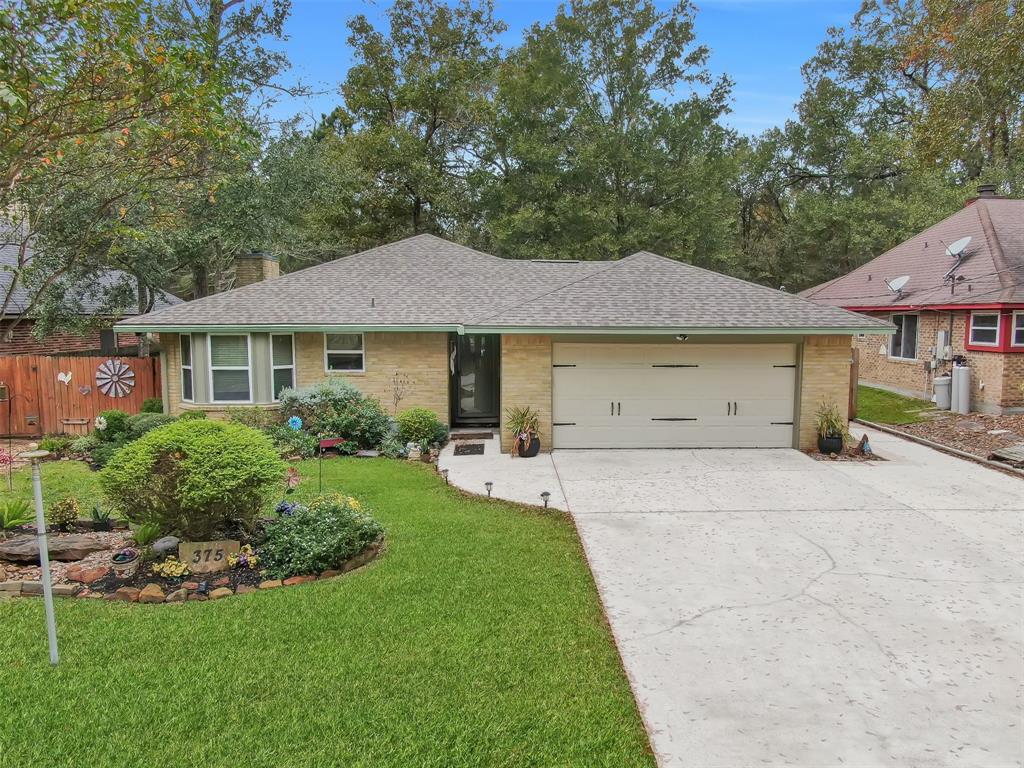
(775, 610)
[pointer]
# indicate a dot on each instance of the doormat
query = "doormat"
(469, 449)
(472, 435)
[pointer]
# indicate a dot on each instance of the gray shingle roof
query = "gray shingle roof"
(992, 268)
(428, 281)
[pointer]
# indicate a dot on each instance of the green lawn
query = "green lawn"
(477, 639)
(884, 407)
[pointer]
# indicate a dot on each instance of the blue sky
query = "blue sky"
(761, 44)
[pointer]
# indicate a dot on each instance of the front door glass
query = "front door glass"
(475, 378)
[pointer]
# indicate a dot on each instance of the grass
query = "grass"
(883, 407)
(477, 639)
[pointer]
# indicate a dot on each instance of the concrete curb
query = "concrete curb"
(996, 465)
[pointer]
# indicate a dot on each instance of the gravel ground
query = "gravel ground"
(114, 541)
(971, 433)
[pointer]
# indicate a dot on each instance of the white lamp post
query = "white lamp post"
(44, 551)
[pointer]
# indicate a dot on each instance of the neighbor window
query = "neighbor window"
(903, 343)
(1018, 329)
(985, 329)
(282, 363)
(344, 351)
(186, 367)
(229, 368)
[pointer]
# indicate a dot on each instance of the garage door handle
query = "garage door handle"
(619, 409)
(735, 408)
(612, 404)
(729, 410)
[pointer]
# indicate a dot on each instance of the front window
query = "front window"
(282, 362)
(985, 329)
(186, 368)
(1018, 329)
(903, 343)
(344, 352)
(229, 368)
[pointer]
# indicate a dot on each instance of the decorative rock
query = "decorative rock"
(3, 574)
(223, 581)
(151, 593)
(89, 594)
(25, 549)
(86, 574)
(177, 596)
(167, 545)
(31, 587)
(220, 592)
(293, 580)
(197, 596)
(270, 583)
(128, 594)
(244, 589)
(10, 587)
(190, 585)
(65, 590)
(329, 574)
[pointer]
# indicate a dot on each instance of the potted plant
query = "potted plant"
(831, 427)
(125, 562)
(523, 423)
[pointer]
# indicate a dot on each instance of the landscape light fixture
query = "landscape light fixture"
(444, 474)
(682, 337)
(44, 550)
(545, 495)
(488, 485)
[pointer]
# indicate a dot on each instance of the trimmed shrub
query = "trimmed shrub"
(334, 408)
(291, 442)
(84, 444)
(152, 405)
(319, 537)
(63, 514)
(116, 425)
(255, 417)
(141, 423)
(56, 444)
(420, 425)
(185, 415)
(103, 452)
(194, 478)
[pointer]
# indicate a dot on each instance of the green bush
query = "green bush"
(194, 478)
(291, 442)
(141, 423)
(420, 425)
(104, 451)
(316, 538)
(255, 417)
(56, 444)
(152, 405)
(334, 408)
(15, 513)
(84, 444)
(116, 425)
(185, 415)
(63, 514)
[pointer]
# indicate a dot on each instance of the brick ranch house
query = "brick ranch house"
(16, 329)
(967, 308)
(639, 352)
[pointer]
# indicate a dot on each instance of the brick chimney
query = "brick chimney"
(985, 192)
(254, 267)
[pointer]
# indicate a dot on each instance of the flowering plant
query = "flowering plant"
(244, 558)
(5, 458)
(172, 567)
(288, 508)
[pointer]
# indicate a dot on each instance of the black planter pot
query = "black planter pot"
(531, 449)
(830, 444)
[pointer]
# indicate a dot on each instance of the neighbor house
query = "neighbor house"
(17, 336)
(639, 352)
(952, 300)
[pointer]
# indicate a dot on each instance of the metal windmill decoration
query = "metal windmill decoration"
(114, 378)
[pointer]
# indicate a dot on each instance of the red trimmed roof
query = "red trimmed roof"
(992, 268)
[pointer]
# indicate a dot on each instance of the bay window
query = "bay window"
(187, 390)
(985, 329)
(230, 374)
(282, 363)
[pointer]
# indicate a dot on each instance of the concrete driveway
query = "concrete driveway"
(775, 610)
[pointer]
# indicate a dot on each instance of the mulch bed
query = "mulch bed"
(203, 583)
(969, 433)
(815, 454)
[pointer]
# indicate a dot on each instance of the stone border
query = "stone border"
(188, 591)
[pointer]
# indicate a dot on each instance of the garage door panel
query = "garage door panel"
(658, 395)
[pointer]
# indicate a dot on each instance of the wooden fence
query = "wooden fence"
(45, 394)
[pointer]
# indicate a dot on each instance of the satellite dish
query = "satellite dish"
(897, 285)
(955, 249)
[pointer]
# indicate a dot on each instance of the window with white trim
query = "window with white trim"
(985, 329)
(344, 352)
(1018, 329)
(903, 343)
(282, 363)
(187, 391)
(230, 375)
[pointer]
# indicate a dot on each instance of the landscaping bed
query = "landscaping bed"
(976, 433)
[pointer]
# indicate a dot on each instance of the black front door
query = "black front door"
(475, 363)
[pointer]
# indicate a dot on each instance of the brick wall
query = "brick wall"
(995, 376)
(824, 376)
(420, 358)
(251, 269)
(23, 342)
(526, 381)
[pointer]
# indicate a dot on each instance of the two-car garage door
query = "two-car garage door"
(673, 395)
